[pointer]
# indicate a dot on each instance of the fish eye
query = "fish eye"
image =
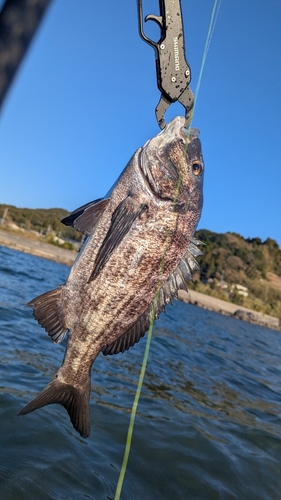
(196, 168)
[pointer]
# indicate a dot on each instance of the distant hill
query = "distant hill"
(42, 220)
(243, 271)
(230, 260)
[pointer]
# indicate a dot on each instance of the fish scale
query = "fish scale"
(139, 237)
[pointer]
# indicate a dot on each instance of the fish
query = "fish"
(139, 251)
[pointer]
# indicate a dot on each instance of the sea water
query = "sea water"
(208, 423)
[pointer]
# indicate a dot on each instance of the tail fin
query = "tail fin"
(75, 401)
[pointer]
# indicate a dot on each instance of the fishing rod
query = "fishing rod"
(19, 20)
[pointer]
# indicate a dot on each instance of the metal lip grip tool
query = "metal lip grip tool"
(173, 71)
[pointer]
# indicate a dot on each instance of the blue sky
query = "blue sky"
(84, 99)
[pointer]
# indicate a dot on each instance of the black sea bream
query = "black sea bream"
(140, 241)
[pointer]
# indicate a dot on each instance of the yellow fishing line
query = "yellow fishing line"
(140, 382)
(133, 412)
(160, 283)
(213, 20)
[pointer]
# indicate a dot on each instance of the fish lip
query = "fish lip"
(176, 128)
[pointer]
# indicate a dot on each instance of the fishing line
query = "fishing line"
(213, 20)
(141, 377)
(133, 415)
(214, 16)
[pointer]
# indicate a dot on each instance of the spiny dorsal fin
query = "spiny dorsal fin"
(188, 263)
(85, 218)
(177, 281)
(191, 262)
(193, 247)
(48, 311)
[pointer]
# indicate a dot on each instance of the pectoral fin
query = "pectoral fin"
(122, 220)
(85, 218)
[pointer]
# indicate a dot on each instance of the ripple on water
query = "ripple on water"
(208, 423)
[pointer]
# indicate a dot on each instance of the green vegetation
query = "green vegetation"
(229, 259)
(55, 241)
(44, 221)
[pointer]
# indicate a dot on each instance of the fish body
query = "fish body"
(139, 251)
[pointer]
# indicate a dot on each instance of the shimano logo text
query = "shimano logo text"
(176, 53)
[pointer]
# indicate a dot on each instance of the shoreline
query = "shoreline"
(67, 257)
(37, 248)
(229, 309)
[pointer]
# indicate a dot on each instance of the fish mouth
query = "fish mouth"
(176, 129)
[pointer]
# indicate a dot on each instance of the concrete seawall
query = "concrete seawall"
(229, 309)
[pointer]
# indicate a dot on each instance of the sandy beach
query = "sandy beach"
(52, 252)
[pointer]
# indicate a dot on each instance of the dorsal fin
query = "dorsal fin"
(85, 218)
(48, 311)
(177, 281)
(193, 247)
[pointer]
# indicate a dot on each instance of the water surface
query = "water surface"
(208, 424)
